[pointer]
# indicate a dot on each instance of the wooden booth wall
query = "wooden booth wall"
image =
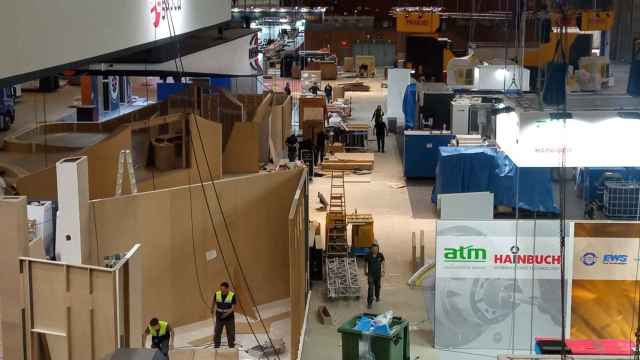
(248, 142)
(298, 245)
(13, 217)
(180, 252)
(103, 162)
(80, 311)
(604, 309)
(281, 114)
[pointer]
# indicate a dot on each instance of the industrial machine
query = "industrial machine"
(7, 108)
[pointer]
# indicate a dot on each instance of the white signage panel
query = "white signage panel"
(40, 34)
(498, 283)
(606, 258)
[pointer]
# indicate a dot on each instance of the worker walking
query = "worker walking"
(378, 114)
(292, 147)
(314, 89)
(328, 93)
(224, 303)
(321, 141)
(381, 133)
(374, 269)
(161, 336)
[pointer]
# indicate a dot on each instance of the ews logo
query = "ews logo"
(615, 259)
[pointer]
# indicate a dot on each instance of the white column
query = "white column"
(72, 230)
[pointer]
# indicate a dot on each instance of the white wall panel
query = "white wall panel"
(38, 34)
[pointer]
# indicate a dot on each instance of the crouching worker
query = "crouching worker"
(161, 336)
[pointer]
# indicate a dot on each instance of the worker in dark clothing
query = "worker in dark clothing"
(161, 336)
(224, 303)
(292, 147)
(287, 89)
(328, 92)
(314, 89)
(374, 269)
(381, 133)
(378, 114)
(321, 140)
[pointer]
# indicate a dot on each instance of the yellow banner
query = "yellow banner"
(596, 20)
(427, 22)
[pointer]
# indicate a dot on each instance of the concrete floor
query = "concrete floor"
(396, 212)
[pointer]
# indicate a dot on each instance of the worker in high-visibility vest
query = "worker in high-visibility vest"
(161, 336)
(224, 303)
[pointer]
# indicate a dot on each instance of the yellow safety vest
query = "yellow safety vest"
(227, 300)
(163, 329)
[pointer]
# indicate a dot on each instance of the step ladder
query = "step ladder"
(125, 157)
(337, 197)
(337, 244)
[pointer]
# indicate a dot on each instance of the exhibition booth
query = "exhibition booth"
(497, 283)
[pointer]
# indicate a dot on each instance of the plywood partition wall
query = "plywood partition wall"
(298, 270)
(281, 120)
(81, 311)
(103, 161)
(103, 165)
(13, 217)
(182, 261)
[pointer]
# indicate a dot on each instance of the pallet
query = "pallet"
(343, 280)
(339, 165)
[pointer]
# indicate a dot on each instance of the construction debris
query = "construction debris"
(355, 86)
(267, 350)
(349, 161)
(325, 315)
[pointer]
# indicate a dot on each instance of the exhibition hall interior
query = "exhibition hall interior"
(320, 179)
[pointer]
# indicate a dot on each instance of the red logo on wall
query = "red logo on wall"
(160, 8)
(254, 52)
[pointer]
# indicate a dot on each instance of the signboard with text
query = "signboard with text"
(494, 275)
(418, 22)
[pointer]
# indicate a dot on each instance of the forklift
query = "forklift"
(7, 107)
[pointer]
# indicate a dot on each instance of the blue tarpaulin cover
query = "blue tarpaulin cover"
(409, 106)
(479, 169)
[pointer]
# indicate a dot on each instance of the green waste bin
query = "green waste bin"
(393, 347)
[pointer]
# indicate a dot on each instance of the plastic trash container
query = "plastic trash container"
(393, 347)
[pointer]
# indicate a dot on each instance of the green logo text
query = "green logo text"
(465, 254)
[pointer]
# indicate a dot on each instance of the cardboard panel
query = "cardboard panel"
(80, 314)
(104, 330)
(297, 265)
(242, 153)
(103, 167)
(13, 217)
(280, 120)
(174, 228)
(76, 309)
(207, 147)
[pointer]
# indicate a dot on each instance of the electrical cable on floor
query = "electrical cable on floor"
(226, 225)
(180, 72)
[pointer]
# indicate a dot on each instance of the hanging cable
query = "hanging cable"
(180, 72)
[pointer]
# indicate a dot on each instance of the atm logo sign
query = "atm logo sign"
(465, 254)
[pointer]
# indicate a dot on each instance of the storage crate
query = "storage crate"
(621, 199)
